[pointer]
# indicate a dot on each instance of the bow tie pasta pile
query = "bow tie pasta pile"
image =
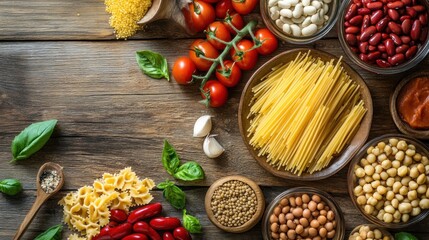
(88, 209)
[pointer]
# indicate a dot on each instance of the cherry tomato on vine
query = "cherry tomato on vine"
(236, 20)
(244, 6)
(183, 69)
(200, 15)
(244, 58)
(268, 40)
(203, 48)
(218, 94)
(222, 7)
(218, 30)
(230, 76)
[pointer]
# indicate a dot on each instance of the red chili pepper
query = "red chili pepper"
(167, 236)
(144, 212)
(120, 231)
(181, 233)
(118, 215)
(136, 236)
(143, 227)
(165, 223)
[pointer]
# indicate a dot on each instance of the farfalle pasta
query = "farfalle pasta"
(88, 209)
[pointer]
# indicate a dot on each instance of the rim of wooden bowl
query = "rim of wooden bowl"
(249, 224)
(339, 161)
(372, 227)
(400, 124)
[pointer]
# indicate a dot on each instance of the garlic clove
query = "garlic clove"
(211, 147)
(202, 126)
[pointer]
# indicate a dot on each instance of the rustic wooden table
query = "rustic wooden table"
(59, 59)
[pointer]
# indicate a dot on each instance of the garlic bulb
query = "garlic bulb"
(211, 147)
(202, 126)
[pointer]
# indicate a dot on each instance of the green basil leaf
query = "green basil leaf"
(175, 196)
(404, 236)
(164, 185)
(10, 186)
(32, 139)
(170, 159)
(191, 223)
(153, 64)
(53, 233)
(190, 171)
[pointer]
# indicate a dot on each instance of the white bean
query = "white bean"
(279, 23)
(309, 10)
(286, 13)
(316, 4)
(327, 1)
(286, 28)
(309, 30)
(286, 20)
(275, 15)
(315, 18)
(298, 20)
(306, 22)
(284, 4)
(325, 8)
(298, 11)
(306, 2)
(296, 31)
(272, 3)
(326, 17)
(274, 9)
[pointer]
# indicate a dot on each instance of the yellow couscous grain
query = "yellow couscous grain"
(125, 14)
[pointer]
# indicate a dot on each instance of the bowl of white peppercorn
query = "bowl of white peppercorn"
(300, 21)
(388, 183)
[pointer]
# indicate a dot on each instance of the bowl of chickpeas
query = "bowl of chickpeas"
(369, 231)
(388, 182)
(303, 213)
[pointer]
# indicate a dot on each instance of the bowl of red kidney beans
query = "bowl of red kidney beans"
(384, 36)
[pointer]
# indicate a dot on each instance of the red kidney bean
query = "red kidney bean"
(376, 16)
(356, 20)
(374, 5)
(402, 49)
(367, 33)
(411, 11)
(390, 47)
(372, 48)
(395, 5)
(363, 57)
(181, 233)
(144, 212)
(419, 8)
(396, 39)
(423, 18)
(424, 34)
(113, 224)
(364, 11)
(382, 63)
(352, 30)
(405, 39)
(351, 39)
(118, 215)
(384, 55)
(104, 234)
(372, 56)
(351, 12)
(167, 236)
(403, 17)
(375, 39)
(381, 47)
(393, 14)
(366, 22)
(384, 36)
(411, 52)
(396, 59)
(347, 24)
(164, 223)
(143, 227)
(121, 230)
(394, 27)
(406, 26)
(416, 29)
(136, 236)
(406, 2)
(363, 47)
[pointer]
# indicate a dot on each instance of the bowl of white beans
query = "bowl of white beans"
(300, 21)
(369, 231)
(388, 181)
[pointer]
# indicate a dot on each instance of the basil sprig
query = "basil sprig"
(174, 195)
(53, 233)
(10, 186)
(153, 64)
(189, 171)
(32, 139)
(191, 223)
(404, 236)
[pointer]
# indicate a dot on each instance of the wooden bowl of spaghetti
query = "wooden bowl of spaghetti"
(304, 114)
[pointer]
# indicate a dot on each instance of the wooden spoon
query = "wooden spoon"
(42, 196)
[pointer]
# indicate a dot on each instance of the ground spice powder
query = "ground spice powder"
(125, 14)
(49, 180)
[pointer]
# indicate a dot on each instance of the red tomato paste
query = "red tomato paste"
(413, 103)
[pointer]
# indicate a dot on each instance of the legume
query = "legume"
(366, 232)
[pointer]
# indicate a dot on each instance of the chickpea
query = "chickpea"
(361, 200)
(405, 181)
(371, 158)
(381, 190)
(395, 203)
(402, 171)
(396, 186)
(416, 211)
(405, 217)
(389, 209)
(375, 184)
(384, 175)
(392, 172)
(386, 164)
(404, 191)
(396, 164)
(376, 151)
(394, 150)
(412, 195)
(358, 190)
(372, 201)
(393, 142)
(388, 217)
(415, 203)
(388, 149)
(377, 233)
(368, 188)
(421, 179)
(422, 189)
(405, 208)
(369, 209)
(377, 196)
(369, 150)
(390, 195)
(407, 161)
(402, 145)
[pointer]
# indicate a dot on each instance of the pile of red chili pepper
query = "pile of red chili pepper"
(142, 224)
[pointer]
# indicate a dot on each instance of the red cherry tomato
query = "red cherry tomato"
(244, 6)
(118, 215)
(230, 76)
(218, 30)
(199, 48)
(268, 40)
(136, 236)
(218, 93)
(236, 20)
(183, 69)
(200, 15)
(244, 58)
(144, 212)
(181, 233)
(164, 223)
(222, 7)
